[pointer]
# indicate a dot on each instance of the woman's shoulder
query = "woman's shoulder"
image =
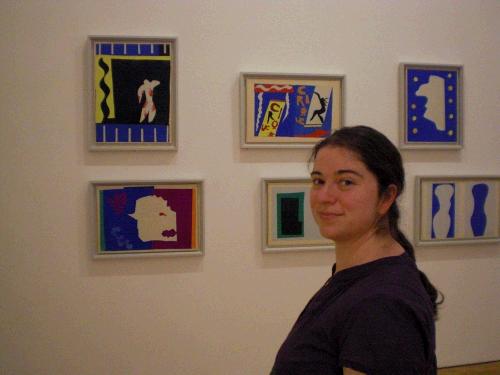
(395, 282)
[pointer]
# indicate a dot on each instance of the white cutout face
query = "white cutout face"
(155, 219)
(434, 92)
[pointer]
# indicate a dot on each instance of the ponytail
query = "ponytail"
(393, 217)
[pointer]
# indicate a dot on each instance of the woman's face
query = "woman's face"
(344, 197)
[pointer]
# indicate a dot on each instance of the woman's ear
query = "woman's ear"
(387, 199)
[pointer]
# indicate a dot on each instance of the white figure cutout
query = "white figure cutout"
(441, 221)
(434, 109)
(155, 219)
(149, 108)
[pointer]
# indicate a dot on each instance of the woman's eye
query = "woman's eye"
(345, 183)
(316, 181)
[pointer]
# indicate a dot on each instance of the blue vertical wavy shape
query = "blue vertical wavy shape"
(104, 87)
(478, 219)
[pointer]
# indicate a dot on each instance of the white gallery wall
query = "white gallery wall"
(227, 312)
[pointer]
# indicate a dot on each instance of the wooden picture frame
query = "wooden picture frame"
(289, 110)
(134, 93)
(287, 220)
(144, 218)
(457, 210)
(431, 106)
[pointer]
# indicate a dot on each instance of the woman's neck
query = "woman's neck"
(368, 248)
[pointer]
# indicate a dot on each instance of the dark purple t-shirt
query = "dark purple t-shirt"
(375, 318)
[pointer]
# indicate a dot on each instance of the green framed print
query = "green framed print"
(287, 220)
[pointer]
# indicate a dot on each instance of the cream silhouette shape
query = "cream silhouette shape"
(149, 108)
(441, 221)
(155, 219)
(434, 91)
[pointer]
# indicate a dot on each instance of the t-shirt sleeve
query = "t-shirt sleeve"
(382, 335)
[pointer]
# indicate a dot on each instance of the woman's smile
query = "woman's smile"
(328, 215)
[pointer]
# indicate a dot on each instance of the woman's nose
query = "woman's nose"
(328, 193)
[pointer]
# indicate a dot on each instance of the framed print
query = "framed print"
(145, 218)
(431, 106)
(289, 110)
(287, 220)
(457, 209)
(133, 93)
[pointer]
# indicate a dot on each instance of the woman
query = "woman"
(375, 315)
